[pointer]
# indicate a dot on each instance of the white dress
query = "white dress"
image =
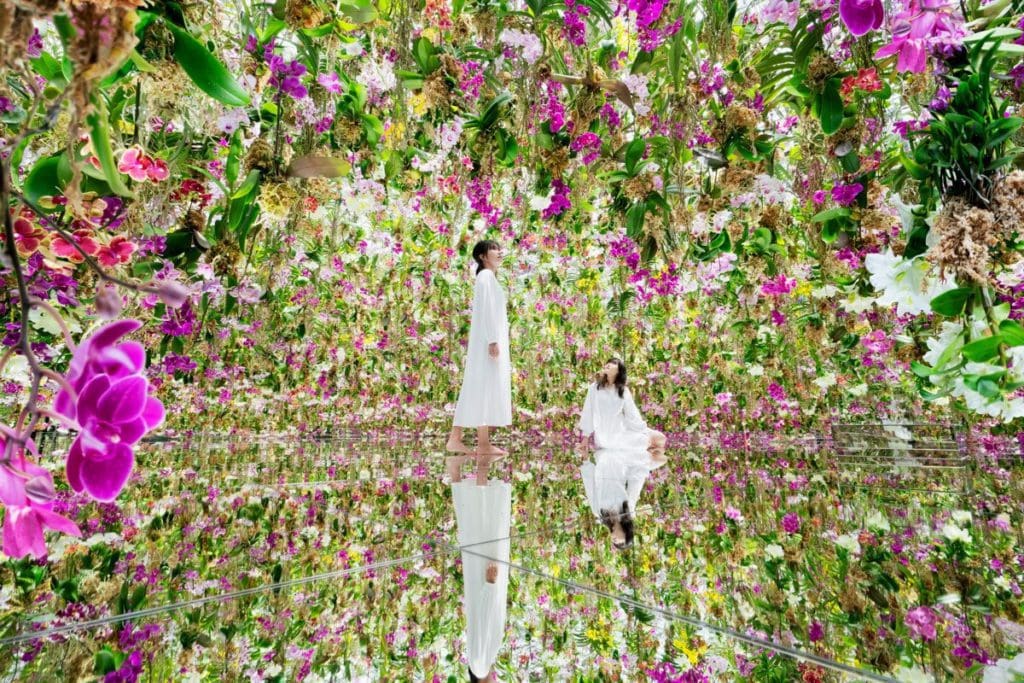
(622, 461)
(484, 516)
(486, 395)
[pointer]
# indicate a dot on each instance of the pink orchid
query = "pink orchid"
(66, 250)
(118, 252)
(915, 30)
(27, 493)
(113, 409)
(139, 167)
(861, 16)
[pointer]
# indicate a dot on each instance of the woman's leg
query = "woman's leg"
(453, 464)
(483, 442)
(657, 445)
(455, 444)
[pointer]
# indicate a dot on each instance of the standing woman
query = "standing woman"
(485, 401)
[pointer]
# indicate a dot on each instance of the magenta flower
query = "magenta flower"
(330, 82)
(861, 16)
(844, 195)
(791, 523)
(113, 409)
(590, 144)
(915, 30)
(140, 167)
(921, 621)
(815, 632)
(26, 491)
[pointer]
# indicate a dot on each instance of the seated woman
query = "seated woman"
(627, 451)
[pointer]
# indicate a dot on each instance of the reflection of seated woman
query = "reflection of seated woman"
(627, 451)
(484, 515)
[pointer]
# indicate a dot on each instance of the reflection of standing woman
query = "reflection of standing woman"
(485, 400)
(484, 516)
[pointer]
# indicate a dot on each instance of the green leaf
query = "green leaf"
(99, 135)
(831, 214)
(234, 158)
(952, 303)
(247, 186)
(44, 179)
(1012, 332)
(634, 152)
(981, 350)
(359, 11)
(104, 662)
(205, 70)
(830, 109)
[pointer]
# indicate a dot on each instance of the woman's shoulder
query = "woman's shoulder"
(485, 274)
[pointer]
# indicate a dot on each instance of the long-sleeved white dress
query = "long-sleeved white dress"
(622, 461)
(486, 395)
(484, 516)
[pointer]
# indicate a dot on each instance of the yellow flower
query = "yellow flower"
(804, 289)
(555, 570)
(430, 33)
(418, 102)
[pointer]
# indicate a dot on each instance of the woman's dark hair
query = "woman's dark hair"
(620, 377)
(624, 518)
(472, 677)
(480, 250)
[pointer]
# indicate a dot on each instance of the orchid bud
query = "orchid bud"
(39, 489)
(108, 302)
(174, 294)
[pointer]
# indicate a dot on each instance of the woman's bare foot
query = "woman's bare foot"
(491, 449)
(456, 446)
(453, 465)
(492, 572)
(483, 468)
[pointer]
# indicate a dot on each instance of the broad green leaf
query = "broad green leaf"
(360, 11)
(1012, 333)
(830, 111)
(205, 70)
(981, 350)
(634, 152)
(44, 179)
(831, 214)
(951, 303)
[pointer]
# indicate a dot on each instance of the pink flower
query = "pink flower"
(139, 167)
(330, 82)
(915, 30)
(921, 622)
(113, 409)
(26, 491)
(861, 16)
(66, 250)
(119, 251)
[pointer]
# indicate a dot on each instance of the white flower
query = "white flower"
(850, 543)
(17, 369)
(755, 370)
(908, 283)
(825, 381)
(877, 521)
(1005, 671)
(774, 551)
(825, 292)
(540, 202)
(913, 675)
(858, 390)
(962, 516)
(42, 320)
(954, 533)
(950, 334)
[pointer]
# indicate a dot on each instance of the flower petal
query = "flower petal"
(51, 520)
(89, 399)
(73, 466)
(124, 401)
(104, 479)
(153, 415)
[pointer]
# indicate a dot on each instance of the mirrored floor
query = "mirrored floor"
(341, 560)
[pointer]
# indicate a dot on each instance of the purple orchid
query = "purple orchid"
(922, 25)
(113, 409)
(861, 16)
(27, 493)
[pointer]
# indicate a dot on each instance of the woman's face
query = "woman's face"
(610, 370)
(492, 259)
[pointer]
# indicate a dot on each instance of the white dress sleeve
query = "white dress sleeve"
(486, 304)
(634, 420)
(586, 424)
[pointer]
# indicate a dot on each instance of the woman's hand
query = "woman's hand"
(492, 349)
